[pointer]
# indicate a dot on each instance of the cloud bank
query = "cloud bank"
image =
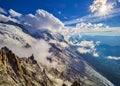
(88, 47)
(113, 57)
(40, 20)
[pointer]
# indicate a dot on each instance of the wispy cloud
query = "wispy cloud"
(93, 29)
(87, 47)
(113, 57)
(14, 13)
(97, 12)
(2, 11)
(93, 17)
(4, 18)
(57, 43)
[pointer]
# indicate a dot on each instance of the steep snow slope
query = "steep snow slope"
(14, 34)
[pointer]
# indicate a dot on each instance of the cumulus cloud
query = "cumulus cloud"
(88, 47)
(102, 7)
(100, 11)
(40, 20)
(113, 57)
(83, 50)
(97, 4)
(93, 29)
(87, 44)
(85, 28)
(43, 20)
(2, 11)
(90, 25)
(14, 13)
(95, 54)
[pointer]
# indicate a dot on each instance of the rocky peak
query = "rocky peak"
(7, 57)
(32, 59)
(21, 71)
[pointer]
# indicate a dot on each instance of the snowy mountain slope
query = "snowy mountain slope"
(13, 34)
(50, 53)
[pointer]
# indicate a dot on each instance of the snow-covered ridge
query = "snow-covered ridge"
(14, 34)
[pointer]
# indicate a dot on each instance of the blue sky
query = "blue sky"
(59, 8)
(65, 10)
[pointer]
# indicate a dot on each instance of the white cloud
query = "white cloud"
(83, 50)
(40, 20)
(95, 54)
(101, 10)
(119, 1)
(14, 13)
(113, 57)
(90, 26)
(93, 17)
(88, 47)
(103, 7)
(43, 20)
(61, 44)
(86, 44)
(3, 18)
(97, 5)
(2, 11)
(39, 48)
(93, 29)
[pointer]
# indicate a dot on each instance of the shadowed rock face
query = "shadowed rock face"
(15, 71)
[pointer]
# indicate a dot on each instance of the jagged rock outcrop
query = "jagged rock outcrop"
(15, 71)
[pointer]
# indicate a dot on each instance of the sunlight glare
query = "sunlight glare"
(105, 10)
